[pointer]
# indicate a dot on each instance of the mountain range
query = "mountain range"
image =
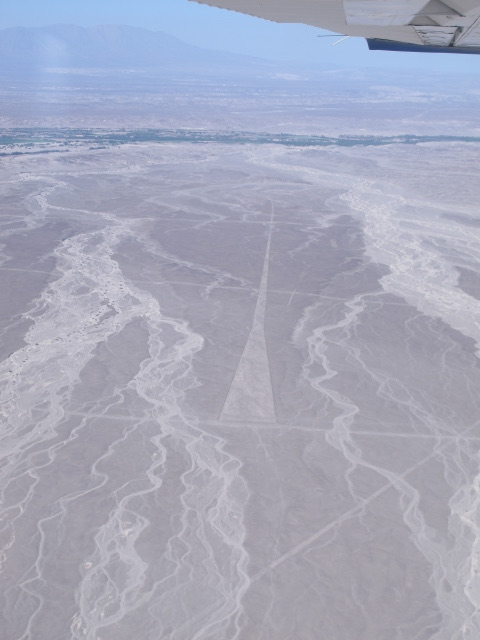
(109, 47)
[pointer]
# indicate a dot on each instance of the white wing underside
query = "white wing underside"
(437, 23)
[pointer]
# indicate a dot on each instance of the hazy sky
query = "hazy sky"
(216, 28)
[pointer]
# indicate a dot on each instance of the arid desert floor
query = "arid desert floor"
(240, 393)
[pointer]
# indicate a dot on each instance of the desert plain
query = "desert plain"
(240, 392)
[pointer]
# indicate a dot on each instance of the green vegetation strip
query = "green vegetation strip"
(68, 137)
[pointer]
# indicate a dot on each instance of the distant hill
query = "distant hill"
(109, 47)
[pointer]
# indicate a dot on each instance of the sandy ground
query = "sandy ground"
(240, 394)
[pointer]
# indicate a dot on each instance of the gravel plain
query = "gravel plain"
(240, 393)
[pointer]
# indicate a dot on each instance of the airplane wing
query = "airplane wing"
(450, 26)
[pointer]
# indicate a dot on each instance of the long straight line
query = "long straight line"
(358, 508)
(256, 290)
(48, 273)
(278, 426)
(309, 224)
(105, 416)
(230, 288)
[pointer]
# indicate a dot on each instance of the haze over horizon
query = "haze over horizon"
(110, 47)
(219, 29)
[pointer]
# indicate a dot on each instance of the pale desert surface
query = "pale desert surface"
(240, 393)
